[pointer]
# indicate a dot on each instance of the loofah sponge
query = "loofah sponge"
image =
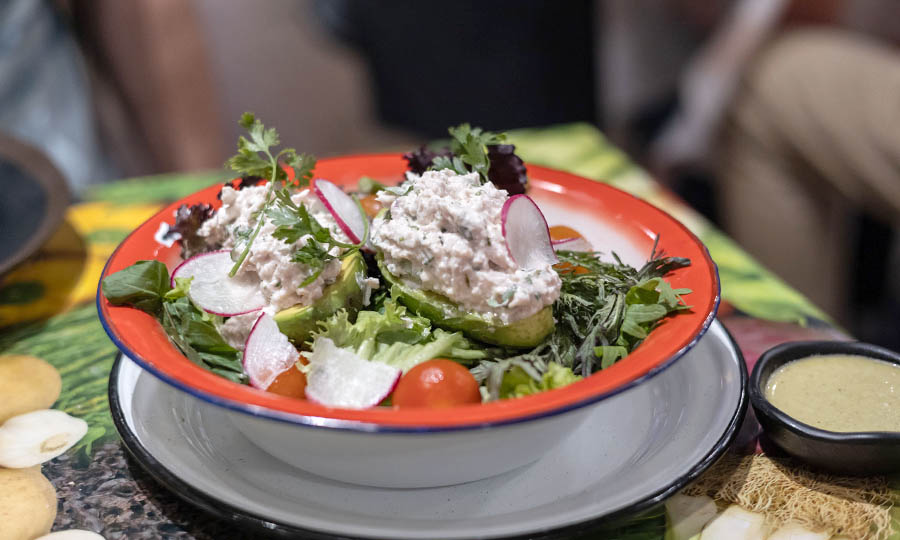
(858, 508)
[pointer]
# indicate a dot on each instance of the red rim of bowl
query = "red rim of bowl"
(142, 339)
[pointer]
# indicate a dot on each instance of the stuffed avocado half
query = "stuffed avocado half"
(347, 292)
(441, 311)
(443, 246)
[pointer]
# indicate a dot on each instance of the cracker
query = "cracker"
(27, 504)
(27, 383)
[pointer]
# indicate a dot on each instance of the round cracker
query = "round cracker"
(27, 503)
(27, 384)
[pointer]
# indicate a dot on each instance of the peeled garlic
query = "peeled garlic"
(735, 523)
(72, 534)
(793, 531)
(687, 515)
(33, 438)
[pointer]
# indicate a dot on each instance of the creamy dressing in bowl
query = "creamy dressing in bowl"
(838, 392)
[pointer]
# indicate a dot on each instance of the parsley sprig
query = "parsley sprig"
(255, 158)
(293, 221)
(469, 149)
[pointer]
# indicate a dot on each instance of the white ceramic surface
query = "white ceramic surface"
(632, 450)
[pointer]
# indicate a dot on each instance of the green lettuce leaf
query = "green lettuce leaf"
(517, 382)
(145, 286)
(141, 285)
(395, 337)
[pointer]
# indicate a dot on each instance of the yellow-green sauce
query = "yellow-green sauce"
(838, 392)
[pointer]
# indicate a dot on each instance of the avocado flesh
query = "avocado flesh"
(299, 322)
(441, 311)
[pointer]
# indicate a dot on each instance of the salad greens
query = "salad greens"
(605, 310)
(188, 220)
(517, 382)
(145, 285)
(473, 149)
(469, 151)
(395, 337)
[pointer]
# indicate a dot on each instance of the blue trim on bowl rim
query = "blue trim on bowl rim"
(261, 525)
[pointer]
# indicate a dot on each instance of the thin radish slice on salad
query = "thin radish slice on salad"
(213, 291)
(346, 212)
(339, 378)
(267, 352)
(526, 233)
(572, 244)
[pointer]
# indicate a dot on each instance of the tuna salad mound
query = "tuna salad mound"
(443, 234)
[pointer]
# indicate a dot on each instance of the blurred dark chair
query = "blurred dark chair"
(497, 64)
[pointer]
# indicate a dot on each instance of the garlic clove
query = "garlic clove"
(72, 534)
(794, 531)
(686, 515)
(735, 523)
(32, 438)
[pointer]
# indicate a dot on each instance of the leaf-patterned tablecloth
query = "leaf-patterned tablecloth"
(47, 310)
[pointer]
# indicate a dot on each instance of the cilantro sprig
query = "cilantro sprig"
(469, 151)
(255, 158)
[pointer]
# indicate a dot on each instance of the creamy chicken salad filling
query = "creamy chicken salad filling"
(443, 233)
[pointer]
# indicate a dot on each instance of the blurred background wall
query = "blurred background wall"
(114, 89)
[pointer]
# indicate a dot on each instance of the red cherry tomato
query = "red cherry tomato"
(436, 383)
(370, 205)
(562, 232)
(290, 382)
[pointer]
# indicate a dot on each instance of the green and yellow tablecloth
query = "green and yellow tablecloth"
(47, 310)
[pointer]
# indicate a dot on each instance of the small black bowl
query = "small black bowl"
(842, 453)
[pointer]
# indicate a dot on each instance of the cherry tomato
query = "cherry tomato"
(562, 232)
(290, 382)
(436, 383)
(371, 205)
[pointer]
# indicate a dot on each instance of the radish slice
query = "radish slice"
(572, 244)
(526, 233)
(267, 352)
(339, 378)
(344, 209)
(212, 290)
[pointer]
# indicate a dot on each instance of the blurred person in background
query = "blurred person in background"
(798, 127)
(45, 96)
(108, 89)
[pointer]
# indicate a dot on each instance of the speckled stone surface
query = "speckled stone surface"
(115, 497)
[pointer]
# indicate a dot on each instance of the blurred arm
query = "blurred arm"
(710, 81)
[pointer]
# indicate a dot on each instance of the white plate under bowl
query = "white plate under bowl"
(642, 446)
